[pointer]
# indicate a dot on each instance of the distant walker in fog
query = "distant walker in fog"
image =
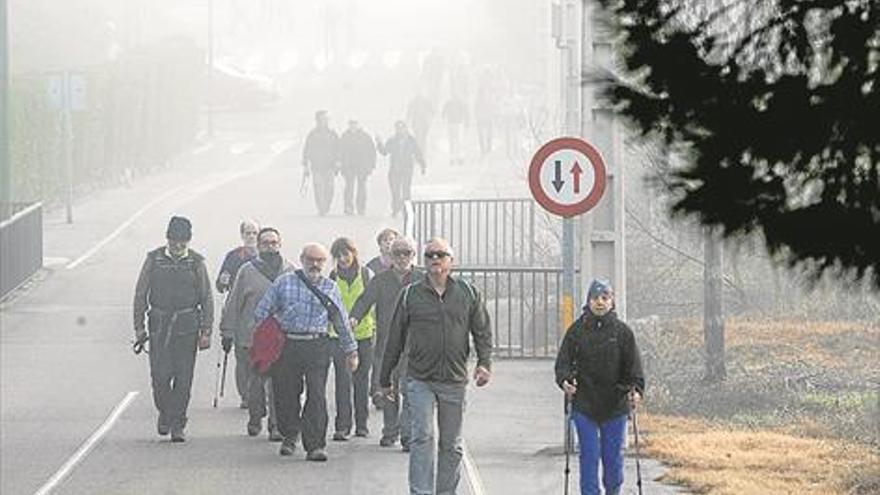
(357, 161)
(403, 153)
(174, 292)
(321, 160)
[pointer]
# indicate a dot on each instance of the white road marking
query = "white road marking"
(471, 474)
(103, 242)
(49, 261)
(240, 148)
(87, 446)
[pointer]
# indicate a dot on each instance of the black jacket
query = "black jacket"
(601, 353)
(357, 153)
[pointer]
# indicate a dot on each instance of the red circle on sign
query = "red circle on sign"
(596, 161)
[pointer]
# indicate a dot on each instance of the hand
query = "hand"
(140, 335)
(353, 322)
(353, 361)
(569, 387)
(204, 341)
(481, 376)
(226, 342)
(388, 392)
(634, 398)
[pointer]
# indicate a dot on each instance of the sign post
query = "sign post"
(67, 93)
(567, 178)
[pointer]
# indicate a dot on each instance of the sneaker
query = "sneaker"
(340, 436)
(317, 455)
(254, 428)
(177, 435)
(287, 448)
(362, 432)
(404, 446)
(387, 442)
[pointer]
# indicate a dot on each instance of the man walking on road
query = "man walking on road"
(357, 160)
(382, 293)
(237, 325)
(174, 292)
(403, 153)
(225, 279)
(321, 160)
(434, 320)
(383, 261)
(305, 302)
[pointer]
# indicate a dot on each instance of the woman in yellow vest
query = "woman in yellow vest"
(352, 279)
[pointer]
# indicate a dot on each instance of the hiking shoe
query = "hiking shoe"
(404, 446)
(340, 436)
(177, 435)
(254, 428)
(317, 455)
(243, 404)
(287, 448)
(387, 442)
(162, 426)
(362, 432)
(275, 435)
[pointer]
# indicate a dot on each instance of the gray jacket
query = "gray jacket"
(238, 313)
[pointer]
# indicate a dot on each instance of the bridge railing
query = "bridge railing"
(21, 246)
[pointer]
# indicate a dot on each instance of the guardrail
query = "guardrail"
(21, 246)
(524, 306)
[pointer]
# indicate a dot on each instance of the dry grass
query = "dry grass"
(717, 459)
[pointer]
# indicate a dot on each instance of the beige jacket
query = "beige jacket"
(238, 312)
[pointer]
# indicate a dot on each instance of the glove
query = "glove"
(226, 342)
(140, 341)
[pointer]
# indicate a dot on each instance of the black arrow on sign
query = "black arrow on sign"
(558, 182)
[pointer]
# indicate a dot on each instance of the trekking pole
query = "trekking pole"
(635, 423)
(568, 441)
(223, 375)
(217, 382)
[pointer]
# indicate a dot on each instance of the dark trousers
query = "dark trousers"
(322, 180)
(171, 369)
(303, 364)
(261, 400)
(400, 180)
(359, 381)
(243, 372)
(355, 187)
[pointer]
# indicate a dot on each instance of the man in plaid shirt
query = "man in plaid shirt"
(306, 354)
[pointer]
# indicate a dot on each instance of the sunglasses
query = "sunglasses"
(402, 252)
(436, 255)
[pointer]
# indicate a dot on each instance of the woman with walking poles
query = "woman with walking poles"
(599, 368)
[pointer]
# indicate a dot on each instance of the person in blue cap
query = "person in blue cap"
(600, 370)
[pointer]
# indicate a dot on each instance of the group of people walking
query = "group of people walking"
(410, 330)
(353, 155)
(391, 331)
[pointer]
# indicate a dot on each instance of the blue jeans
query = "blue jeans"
(448, 398)
(600, 441)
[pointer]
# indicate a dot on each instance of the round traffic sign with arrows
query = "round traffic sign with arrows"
(567, 176)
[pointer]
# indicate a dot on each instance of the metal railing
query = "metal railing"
(483, 232)
(523, 304)
(21, 246)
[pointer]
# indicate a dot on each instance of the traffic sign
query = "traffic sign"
(567, 176)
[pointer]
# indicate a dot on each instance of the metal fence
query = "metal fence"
(483, 232)
(21, 246)
(523, 304)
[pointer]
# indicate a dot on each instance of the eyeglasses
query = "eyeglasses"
(270, 243)
(314, 260)
(402, 252)
(436, 255)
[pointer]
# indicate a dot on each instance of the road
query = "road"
(66, 364)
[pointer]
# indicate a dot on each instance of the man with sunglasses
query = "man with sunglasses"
(381, 293)
(434, 320)
(305, 359)
(237, 324)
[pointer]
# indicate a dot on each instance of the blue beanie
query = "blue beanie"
(599, 286)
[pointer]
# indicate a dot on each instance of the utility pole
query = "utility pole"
(5, 166)
(210, 78)
(602, 236)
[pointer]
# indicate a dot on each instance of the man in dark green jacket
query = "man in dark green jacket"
(174, 292)
(434, 320)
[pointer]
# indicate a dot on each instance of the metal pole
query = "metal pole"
(5, 166)
(210, 116)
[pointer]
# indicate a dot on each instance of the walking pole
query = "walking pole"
(635, 423)
(223, 375)
(217, 382)
(568, 441)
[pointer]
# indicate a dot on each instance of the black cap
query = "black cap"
(179, 229)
